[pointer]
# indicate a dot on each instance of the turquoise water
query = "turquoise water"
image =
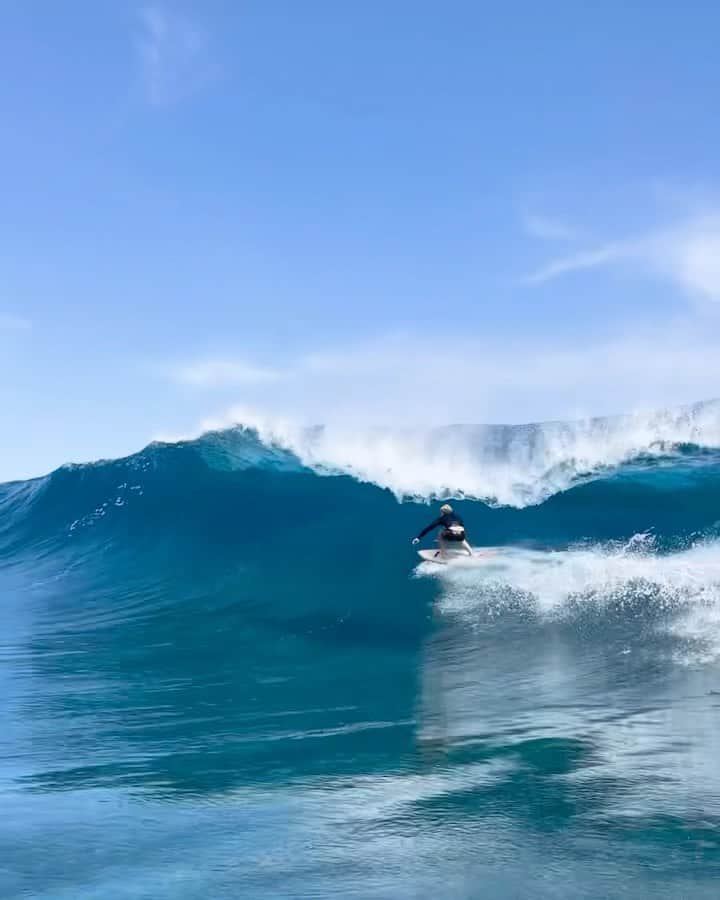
(225, 675)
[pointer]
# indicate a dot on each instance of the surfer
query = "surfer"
(453, 530)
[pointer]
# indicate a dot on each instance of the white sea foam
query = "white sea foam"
(514, 465)
(685, 584)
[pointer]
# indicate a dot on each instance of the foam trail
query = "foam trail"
(685, 584)
(500, 464)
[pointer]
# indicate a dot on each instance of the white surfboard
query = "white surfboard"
(454, 556)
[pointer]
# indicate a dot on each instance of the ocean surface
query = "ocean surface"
(225, 673)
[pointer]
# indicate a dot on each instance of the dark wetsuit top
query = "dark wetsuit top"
(444, 522)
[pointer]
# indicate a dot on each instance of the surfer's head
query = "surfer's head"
(445, 509)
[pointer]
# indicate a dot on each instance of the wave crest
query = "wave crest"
(510, 465)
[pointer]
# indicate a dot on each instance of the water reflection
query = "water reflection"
(595, 721)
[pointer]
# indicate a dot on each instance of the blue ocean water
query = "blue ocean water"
(224, 673)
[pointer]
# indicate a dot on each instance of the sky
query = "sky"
(397, 212)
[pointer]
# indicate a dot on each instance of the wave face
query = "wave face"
(241, 619)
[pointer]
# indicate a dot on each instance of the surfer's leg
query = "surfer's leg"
(467, 547)
(441, 542)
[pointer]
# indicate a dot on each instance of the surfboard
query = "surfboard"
(454, 556)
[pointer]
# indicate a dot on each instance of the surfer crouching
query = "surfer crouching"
(453, 530)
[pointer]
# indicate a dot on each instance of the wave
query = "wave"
(235, 496)
(599, 478)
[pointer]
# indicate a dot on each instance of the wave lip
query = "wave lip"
(507, 465)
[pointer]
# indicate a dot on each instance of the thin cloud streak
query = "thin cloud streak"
(688, 255)
(577, 262)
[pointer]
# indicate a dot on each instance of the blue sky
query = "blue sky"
(383, 212)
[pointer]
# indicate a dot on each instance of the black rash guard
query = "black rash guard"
(444, 522)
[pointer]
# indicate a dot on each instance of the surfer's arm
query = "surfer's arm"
(435, 524)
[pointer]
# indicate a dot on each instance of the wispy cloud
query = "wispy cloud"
(548, 228)
(576, 262)
(174, 55)
(218, 373)
(14, 323)
(687, 254)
